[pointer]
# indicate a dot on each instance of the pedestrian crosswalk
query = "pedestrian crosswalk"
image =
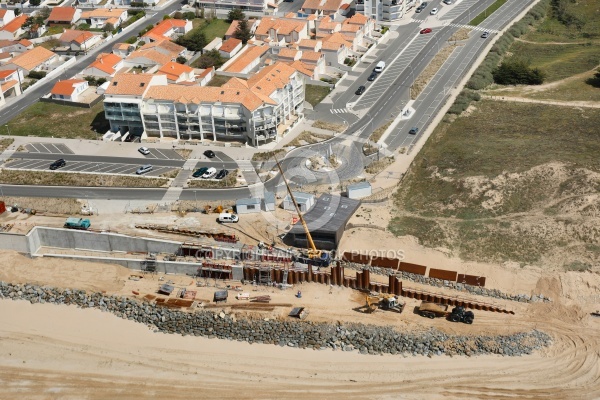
(476, 28)
(339, 110)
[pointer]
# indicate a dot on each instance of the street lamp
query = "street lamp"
(7, 130)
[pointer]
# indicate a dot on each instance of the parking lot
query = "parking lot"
(48, 148)
(86, 167)
(162, 154)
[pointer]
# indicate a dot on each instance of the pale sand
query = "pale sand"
(62, 352)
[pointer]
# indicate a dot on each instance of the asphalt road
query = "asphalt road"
(33, 94)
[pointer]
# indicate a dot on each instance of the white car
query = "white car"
(434, 11)
(144, 150)
(209, 173)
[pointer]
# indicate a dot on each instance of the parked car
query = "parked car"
(433, 11)
(58, 164)
(418, 10)
(222, 174)
(426, 30)
(143, 169)
(485, 35)
(413, 130)
(199, 172)
(226, 217)
(360, 90)
(209, 173)
(209, 154)
(447, 2)
(372, 77)
(144, 150)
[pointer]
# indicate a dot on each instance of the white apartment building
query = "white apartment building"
(249, 111)
(385, 10)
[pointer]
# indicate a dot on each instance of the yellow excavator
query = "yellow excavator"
(320, 257)
(384, 301)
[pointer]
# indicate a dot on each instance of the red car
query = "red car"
(426, 30)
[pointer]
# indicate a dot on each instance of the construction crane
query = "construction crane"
(313, 252)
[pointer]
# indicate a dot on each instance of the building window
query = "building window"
(250, 207)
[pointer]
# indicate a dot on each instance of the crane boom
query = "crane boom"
(313, 248)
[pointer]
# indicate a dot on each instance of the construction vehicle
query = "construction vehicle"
(77, 223)
(434, 310)
(383, 301)
(217, 210)
(313, 256)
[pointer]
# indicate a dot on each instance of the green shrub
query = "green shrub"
(36, 74)
(131, 40)
(517, 72)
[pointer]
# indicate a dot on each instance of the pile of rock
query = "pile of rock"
(407, 276)
(367, 339)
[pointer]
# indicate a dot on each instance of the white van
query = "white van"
(143, 169)
(380, 66)
(211, 172)
(226, 217)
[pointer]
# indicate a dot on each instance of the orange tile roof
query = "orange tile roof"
(205, 72)
(358, 19)
(311, 17)
(106, 62)
(129, 84)
(327, 5)
(67, 87)
(311, 55)
(113, 21)
(302, 68)
(5, 56)
(250, 54)
(7, 85)
(152, 55)
(121, 46)
(288, 53)
(6, 73)
(337, 38)
(271, 78)
(62, 14)
(232, 27)
(281, 26)
(71, 35)
(164, 26)
(351, 28)
(32, 58)
(344, 6)
(174, 70)
(328, 25)
(236, 82)
(230, 44)
(308, 43)
(205, 94)
(104, 13)
(25, 42)
(164, 46)
(3, 13)
(15, 24)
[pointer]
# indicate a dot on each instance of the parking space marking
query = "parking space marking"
(49, 148)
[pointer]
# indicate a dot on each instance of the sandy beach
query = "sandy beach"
(63, 352)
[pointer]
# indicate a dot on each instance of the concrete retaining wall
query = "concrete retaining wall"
(11, 241)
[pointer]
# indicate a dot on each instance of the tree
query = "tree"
(235, 15)
(211, 58)
(35, 3)
(17, 12)
(43, 14)
(181, 60)
(178, 15)
(517, 72)
(242, 31)
(193, 41)
(108, 27)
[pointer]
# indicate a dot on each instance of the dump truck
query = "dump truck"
(435, 310)
(77, 223)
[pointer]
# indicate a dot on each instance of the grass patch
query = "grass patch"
(54, 30)
(268, 155)
(218, 80)
(229, 181)
(17, 177)
(378, 133)
(210, 28)
(170, 174)
(583, 12)
(46, 204)
(56, 120)
(487, 12)
(328, 126)
(314, 94)
(431, 232)
(558, 61)
(5, 143)
(307, 137)
(185, 153)
(430, 70)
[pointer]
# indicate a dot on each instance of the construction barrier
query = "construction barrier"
(471, 280)
(443, 274)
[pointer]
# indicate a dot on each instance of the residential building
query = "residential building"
(168, 29)
(321, 7)
(10, 82)
(6, 16)
(246, 61)
(252, 24)
(36, 31)
(245, 110)
(258, 6)
(205, 76)
(177, 73)
(123, 49)
(79, 40)
(335, 53)
(384, 10)
(64, 16)
(165, 47)
(326, 26)
(36, 59)
(280, 32)
(366, 24)
(99, 17)
(230, 47)
(156, 53)
(305, 201)
(15, 46)
(69, 90)
(123, 99)
(14, 28)
(105, 66)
